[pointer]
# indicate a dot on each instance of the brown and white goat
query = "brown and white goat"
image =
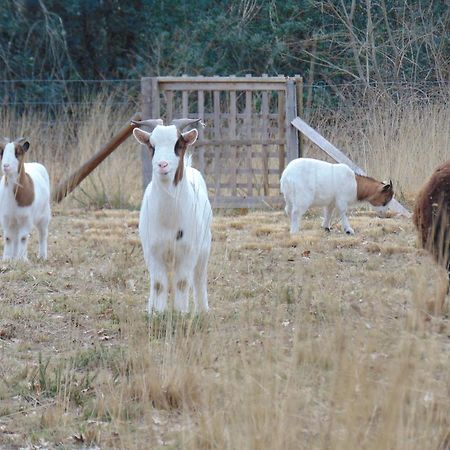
(24, 200)
(306, 183)
(432, 215)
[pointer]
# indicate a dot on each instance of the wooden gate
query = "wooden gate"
(248, 138)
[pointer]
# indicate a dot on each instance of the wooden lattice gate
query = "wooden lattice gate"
(248, 139)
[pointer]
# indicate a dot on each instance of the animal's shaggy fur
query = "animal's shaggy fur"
(432, 215)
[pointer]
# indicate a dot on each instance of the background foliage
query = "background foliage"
(330, 41)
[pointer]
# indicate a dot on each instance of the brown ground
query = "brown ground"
(318, 341)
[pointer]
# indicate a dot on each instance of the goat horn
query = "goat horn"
(181, 124)
(151, 123)
(4, 140)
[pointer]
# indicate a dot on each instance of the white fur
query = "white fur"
(306, 183)
(168, 210)
(17, 222)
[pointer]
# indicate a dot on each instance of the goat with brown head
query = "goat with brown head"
(24, 200)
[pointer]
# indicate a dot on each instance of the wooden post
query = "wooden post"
(299, 95)
(67, 186)
(150, 110)
(291, 114)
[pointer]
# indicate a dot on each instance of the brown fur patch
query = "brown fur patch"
(180, 150)
(158, 287)
(182, 285)
(432, 214)
(24, 189)
(373, 191)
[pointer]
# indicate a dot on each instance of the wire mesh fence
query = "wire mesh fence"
(51, 95)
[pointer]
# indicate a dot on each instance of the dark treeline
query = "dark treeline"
(327, 41)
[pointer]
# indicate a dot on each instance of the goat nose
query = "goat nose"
(163, 164)
(6, 166)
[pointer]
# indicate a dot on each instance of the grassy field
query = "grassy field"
(322, 341)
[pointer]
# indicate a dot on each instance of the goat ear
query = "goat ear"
(141, 136)
(24, 144)
(387, 187)
(190, 136)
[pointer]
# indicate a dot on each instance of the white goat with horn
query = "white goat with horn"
(175, 217)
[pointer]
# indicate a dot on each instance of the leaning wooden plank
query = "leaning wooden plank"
(67, 186)
(338, 156)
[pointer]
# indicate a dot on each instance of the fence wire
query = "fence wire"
(51, 95)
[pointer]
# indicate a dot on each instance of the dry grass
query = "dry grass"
(318, 341)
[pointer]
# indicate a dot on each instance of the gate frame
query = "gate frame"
(153, 87)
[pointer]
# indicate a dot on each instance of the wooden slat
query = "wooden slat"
(264, 138)
(226, 115)
(242, 186)
(299, 94)
(217, 135)
(242, 142)
(249, 202)
(232, 135)
(222, 80)
(255, 154)
(218, 85)
(248, 135)
(201, 133)
(148, 99)
(185, 103)
(169, 106)
(282, 131)
(291, 113)
(338, 156)
(247, 170)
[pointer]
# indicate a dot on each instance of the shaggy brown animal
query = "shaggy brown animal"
(432, 215)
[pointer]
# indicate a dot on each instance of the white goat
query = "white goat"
(24, 200)
(175, 218)
(309, 182)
